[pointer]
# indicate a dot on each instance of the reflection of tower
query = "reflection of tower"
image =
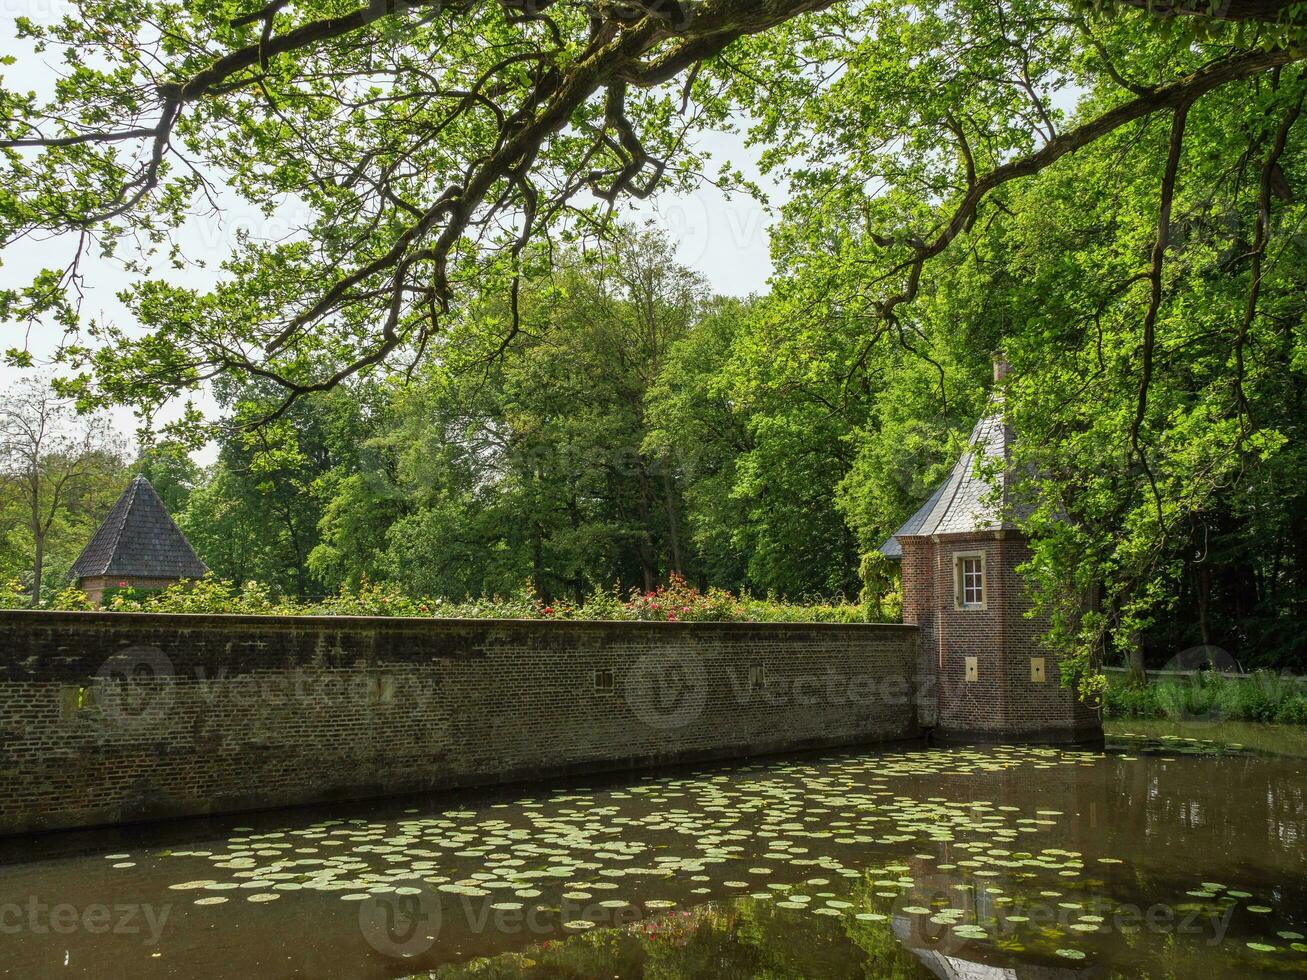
(956, 965)
(960, 553)
(1070, 789)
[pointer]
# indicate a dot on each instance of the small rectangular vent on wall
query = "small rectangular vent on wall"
(1036, 670)
(604, 681)
(973, 669)
(381, 690)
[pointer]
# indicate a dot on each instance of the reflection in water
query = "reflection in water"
(965, 862)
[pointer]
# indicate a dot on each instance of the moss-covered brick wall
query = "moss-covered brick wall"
(107, 718)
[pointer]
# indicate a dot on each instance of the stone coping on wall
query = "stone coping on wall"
(67, 645)
(192, 620)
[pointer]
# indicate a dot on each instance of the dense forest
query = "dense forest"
(637, 426)
(464, 374)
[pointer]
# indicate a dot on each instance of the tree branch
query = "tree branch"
(1169, 96)
(1174, 150)
(1265, 189)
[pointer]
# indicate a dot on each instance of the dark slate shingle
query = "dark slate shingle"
(891, 548)
(138, 538)
(966, 501)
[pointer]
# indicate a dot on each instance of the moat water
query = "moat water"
(1154, 858)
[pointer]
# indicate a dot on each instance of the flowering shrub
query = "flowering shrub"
(486, 607)
(373, 599)
(206, 595)
(676, 601)
(773, 610)
(13, 594)
(71, 599)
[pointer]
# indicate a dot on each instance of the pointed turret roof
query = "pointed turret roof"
(138, 538)
(891, 547)
(967, 501)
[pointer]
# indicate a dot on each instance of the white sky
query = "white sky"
(724, 238)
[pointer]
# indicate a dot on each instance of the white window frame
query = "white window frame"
(960, 558)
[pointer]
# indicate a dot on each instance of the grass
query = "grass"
(1263, 697)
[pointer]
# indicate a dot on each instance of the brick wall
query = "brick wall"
(1003, 701)
(107, 718)
(919, 602)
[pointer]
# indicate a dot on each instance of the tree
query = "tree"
(695, 427)
(527, 459)
(55, 468)
(1148, 290)
(430, 142)
(257, 512)
(171, 471)
(750, 402)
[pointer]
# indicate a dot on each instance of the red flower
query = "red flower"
(122, 585)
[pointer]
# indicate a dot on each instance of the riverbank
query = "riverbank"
(1262, 696)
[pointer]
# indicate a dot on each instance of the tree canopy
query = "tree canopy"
(1109, 191)
(426, 143)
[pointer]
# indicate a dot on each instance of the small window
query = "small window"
(604, 681)
(969, 571)
(757, 677)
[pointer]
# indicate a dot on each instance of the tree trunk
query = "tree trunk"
(1203, 590)
(673, 534)
(38, 567)
(647, 565)
(1135, 652)
(538, 565)
(578, 580)
(1094, 604)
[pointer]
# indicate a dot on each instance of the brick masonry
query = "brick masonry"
(1004, 701)
(109, 718)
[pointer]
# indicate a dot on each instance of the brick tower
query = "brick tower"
(960, 553)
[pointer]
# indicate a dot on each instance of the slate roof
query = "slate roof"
(138, 538)
(965, 501)
(891, 548)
